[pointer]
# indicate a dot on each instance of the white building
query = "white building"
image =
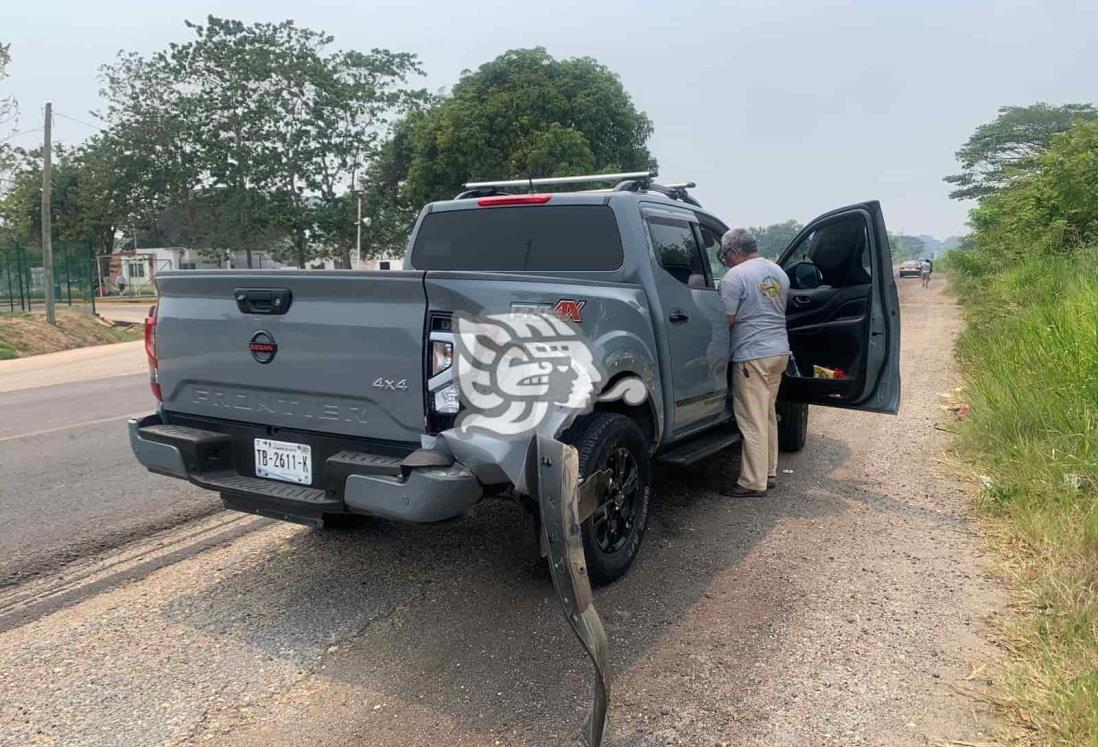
(384, 262)
(136, 269)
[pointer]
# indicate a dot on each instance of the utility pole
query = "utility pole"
(358, 227)
(47, 228)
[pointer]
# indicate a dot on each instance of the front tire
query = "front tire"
(792, 425)
(612, 535)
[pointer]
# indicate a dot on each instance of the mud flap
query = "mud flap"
(552, 474)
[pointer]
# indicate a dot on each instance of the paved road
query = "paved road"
(73, 366)
(70, 483)
(844, 609)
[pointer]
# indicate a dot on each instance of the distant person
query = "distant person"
(924, 271)
(121, 282)
(754, 291)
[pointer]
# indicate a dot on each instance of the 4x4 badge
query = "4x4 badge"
(569, 309)
(263, 347)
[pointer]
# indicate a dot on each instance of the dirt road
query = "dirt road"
(844, 609)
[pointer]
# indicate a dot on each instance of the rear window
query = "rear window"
(573, 238)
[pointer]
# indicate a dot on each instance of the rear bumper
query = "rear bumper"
(348, 481)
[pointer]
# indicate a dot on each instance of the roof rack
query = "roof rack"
(676, 191)
(629, 181)
(555, 180)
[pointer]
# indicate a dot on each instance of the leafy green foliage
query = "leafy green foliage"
(1052, 210)
(1029, 282)
(524, 114)
(8, 111)
(1000, 150)
(906, 247)
(773, 239)
(253, 134)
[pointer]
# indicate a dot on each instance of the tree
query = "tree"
(8, 112)
(524, 114)
(1000, 150)
(21, 204)
(255, 131)
(906, 247)
(1052, 210)
(773, 239)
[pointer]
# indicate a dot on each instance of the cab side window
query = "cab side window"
(711, 244)
(677, 250)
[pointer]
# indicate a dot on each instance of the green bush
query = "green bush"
(1030, 359)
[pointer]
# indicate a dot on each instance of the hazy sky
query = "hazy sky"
(776, 110)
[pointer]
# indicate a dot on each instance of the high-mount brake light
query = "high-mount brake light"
(498, 200)
(150, 353)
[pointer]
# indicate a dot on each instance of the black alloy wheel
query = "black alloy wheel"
(612, 534)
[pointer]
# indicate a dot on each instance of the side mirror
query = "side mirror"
(805, 276)
(697, 281)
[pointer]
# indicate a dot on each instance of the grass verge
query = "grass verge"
(27, 333)
(1030, 358)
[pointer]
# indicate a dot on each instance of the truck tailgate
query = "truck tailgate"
(345, 356)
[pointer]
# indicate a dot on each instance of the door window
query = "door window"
(834, 255)
(677, 250)
(711, 244)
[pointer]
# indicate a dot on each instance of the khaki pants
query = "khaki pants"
(754, 392)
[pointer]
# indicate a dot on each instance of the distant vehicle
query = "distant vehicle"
(911, 268)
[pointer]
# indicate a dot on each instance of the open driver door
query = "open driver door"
(843, 313)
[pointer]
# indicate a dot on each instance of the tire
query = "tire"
(612, 535)
(792, 425)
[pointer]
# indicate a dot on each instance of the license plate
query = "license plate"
(282, 460)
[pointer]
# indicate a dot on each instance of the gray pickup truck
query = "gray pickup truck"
(305, 395)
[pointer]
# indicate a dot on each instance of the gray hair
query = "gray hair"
(740, 241)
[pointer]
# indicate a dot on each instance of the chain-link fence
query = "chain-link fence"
(23, 278)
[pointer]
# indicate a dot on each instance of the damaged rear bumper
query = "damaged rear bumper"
(421, 486)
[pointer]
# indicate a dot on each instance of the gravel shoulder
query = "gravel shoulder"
(847, 608)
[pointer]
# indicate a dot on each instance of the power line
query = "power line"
(17, 134)
(79, 121)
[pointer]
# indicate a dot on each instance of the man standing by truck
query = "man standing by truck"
(754, 291)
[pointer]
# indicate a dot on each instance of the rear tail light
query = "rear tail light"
(150, 353)
(442, 356)
(500, 200)
(442, 401)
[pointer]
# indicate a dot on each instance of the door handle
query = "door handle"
(801, 300)
(678, 316)
(263, 300)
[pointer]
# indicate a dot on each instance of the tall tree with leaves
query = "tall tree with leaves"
(259, 127)
(1011, 145)
(775, 237)
(8, 112)
(526, 114)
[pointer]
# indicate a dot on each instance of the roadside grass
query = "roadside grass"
(27, 333)
(1030, 358)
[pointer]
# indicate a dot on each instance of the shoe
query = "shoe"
(771, 483)
(739, 491)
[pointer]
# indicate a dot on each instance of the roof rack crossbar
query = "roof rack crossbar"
(548, 181)
(630, 181)
(676, 191)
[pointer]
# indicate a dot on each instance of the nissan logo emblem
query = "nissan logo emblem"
(263, 347)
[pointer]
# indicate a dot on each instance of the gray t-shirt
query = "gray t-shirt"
(756, 292)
